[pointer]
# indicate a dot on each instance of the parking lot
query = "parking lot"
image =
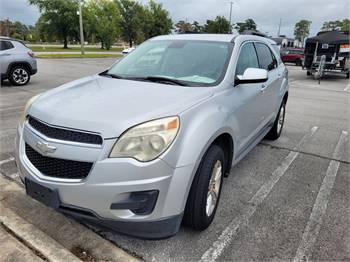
(287, 199)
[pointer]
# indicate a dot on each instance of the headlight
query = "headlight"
(26, 108)
(147, 141)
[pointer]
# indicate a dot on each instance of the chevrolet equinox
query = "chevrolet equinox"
(143, 146)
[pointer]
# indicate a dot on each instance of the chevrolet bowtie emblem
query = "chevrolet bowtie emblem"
(45, 148)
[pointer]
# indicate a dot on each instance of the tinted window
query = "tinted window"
(266, 59)
(247, 58)
(4, 45)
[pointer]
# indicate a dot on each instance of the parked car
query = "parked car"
(145, 145)
(293, 55)
(128, 50)
(17, 62)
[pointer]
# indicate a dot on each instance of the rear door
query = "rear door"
(269, 89)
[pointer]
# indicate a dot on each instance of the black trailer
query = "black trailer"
(328, 52)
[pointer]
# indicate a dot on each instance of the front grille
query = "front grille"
(64, 134)
(56, 167)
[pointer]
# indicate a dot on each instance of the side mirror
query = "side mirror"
(252, 75)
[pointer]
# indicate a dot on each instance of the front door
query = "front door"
(249, 100)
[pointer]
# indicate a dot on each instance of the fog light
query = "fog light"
(140, 203)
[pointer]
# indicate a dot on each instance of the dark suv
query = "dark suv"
(17, 62)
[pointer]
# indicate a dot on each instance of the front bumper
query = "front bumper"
(112, 180)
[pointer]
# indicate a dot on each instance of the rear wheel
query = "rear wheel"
(347, 75)
(277, 127)
(19, 75)
(205, 191)
(308, 73)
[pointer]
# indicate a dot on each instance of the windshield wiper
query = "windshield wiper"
(161, 79)
(105, 73)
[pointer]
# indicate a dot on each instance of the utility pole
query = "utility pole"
(231, 3)
(279, 28)
(81, 28)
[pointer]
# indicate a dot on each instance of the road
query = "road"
(286, 200)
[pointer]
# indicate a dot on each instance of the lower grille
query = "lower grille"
(55, 167)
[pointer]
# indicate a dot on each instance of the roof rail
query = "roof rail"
(252, 32)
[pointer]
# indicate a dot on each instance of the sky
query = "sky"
(266, 13)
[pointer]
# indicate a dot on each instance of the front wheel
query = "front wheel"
(19, 75)
(277, 127)
(205, 191)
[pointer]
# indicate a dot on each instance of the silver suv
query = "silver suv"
(145, 145)
(17, 62)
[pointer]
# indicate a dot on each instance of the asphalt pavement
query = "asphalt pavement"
(286, 200)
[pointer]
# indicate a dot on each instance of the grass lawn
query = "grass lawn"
(78, 56)
(48, 48)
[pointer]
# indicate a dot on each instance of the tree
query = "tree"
(341, 25)
(157, 20)
(183, 27)
(60, 18)
(248, 24)
(130, 22)
(218, 26)
(102, 17)
(301, 30)
(14, 29)
(196, 27)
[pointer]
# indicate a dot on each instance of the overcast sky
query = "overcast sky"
(266, 13)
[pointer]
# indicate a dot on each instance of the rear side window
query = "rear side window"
(4, 45)
(247, 59)
(266, 59)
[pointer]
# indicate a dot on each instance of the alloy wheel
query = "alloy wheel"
(20, 76)
(214, 188)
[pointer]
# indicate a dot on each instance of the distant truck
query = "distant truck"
(328, 52)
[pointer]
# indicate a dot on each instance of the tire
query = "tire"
(19, 75)
(198, 214)
(347, 75)
(277, 127)
(308, 73)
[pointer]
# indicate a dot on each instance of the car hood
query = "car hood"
(110, 106)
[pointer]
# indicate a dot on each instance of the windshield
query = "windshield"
(196, 63)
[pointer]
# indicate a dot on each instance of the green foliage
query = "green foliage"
(248, 24)
(301, 29)
(130, 22)
(156, 20)
(218, 26)
(341, 25)
(101, 18)
(58, 18)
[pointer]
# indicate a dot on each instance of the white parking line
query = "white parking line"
(347, 87)
(214, 252)
(300, 84)
(313, 226)
(7, 160)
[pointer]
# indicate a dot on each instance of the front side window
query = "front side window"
(195, 63)
(247, 59)
(266, 59)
